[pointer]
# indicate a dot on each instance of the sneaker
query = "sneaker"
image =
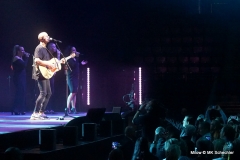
(42, 115)
(34, 116)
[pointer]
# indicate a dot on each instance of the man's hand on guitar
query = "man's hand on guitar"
(62, 61)
(49, 66)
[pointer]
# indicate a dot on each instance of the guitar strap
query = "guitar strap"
(49, 52)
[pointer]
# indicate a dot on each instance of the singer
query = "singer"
(41, 55)
(72, 78)
(19, 64)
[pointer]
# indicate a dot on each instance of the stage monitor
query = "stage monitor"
(116, 110)
(95, 115)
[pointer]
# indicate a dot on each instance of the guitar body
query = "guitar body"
(48, 73)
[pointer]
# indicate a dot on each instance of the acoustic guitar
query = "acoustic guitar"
(48, 73)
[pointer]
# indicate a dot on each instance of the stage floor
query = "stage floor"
(21, 132)
(14, 123)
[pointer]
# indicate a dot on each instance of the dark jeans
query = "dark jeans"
(51, 101)
(44, 96)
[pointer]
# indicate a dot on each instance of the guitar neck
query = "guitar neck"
(67, 58)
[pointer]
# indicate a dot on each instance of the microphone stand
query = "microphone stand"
(66, 63)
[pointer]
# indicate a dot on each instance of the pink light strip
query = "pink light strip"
(140, 84)
(88, 86)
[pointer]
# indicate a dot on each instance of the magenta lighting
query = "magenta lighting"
(88, 86)
(140, 84)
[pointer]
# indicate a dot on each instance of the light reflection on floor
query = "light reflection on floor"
(14, 123)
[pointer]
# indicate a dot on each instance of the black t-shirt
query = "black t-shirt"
(41, 53)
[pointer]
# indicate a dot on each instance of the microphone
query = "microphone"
(27, 54)
(78, 54)
(55, 40)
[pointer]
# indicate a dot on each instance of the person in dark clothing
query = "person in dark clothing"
(150, 120)
(128, 142)
(141, 150)
(115, 154)
(19, 64)
(73, 79)
(41, 58)
(190, 130)
(13, 153)
(204, 144)
(51, 46)
(157, 146)
(173, 152)
(188, 120)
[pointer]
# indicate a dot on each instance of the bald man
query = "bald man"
(41, 58)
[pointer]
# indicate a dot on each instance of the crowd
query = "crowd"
(206, 137)
(157, 135)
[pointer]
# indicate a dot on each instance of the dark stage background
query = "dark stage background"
(119, 36)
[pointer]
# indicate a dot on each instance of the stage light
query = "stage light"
(88, 86)
(140, 84)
